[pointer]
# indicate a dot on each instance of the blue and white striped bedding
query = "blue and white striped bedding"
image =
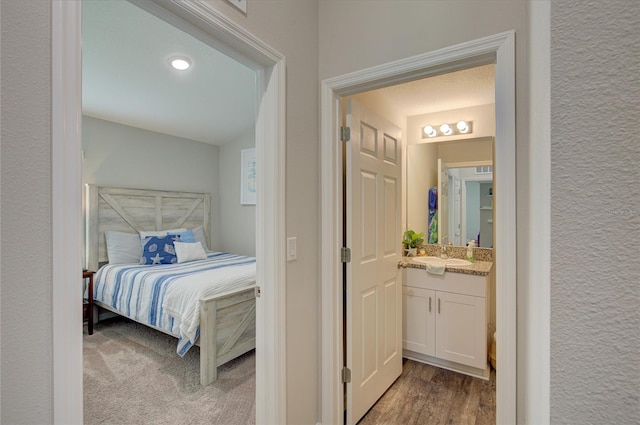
(167, 296)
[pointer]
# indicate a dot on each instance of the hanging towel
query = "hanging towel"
(432, 224)
(436, 267)
(433, 229)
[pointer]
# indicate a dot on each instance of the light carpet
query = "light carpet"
(133, 375)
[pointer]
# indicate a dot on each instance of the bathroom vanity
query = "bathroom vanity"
(445, 317)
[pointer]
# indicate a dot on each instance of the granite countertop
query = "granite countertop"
(478, 268)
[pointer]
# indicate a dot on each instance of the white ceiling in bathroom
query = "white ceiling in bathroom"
(455, 90)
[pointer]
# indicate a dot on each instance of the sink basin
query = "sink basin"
(447, 261)
(457, 262)
(425, 260)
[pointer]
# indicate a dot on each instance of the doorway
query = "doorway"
(221, 33)
(139, 112)
(498, 49)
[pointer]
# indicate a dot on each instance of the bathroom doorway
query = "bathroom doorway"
(464, 95)
(458, 57)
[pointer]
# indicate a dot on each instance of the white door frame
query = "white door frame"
(225, 35)
(499, 48)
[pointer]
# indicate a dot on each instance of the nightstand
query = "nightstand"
(87, 305)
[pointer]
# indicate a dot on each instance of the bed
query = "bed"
(209, 302)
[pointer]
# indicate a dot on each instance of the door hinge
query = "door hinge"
(345, 254)
(346, 375)
(345, 134)
(257, 290)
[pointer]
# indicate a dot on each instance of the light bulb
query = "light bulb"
(446, 129)
(429, 131)
(462, 126)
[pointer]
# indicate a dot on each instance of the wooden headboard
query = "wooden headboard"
(136, 210)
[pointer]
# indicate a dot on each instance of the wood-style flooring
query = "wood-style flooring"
(428, 395)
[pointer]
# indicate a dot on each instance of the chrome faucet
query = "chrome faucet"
(443, 252)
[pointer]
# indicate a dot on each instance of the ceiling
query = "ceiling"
(127, 79)
(454, 90)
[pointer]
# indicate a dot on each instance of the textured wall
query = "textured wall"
(595, 212)
(291, 27)
(357, 34)
(26, 336)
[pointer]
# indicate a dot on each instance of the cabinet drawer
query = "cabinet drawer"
(459, 283)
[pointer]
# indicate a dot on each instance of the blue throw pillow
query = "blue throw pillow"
(186, 236)
(159, 250)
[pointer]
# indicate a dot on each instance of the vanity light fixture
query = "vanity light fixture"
(447, 129)
(181, 63)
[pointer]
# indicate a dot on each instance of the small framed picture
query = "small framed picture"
(239, 4)
(248, 176)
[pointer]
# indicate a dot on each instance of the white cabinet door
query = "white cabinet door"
(418, 323)
(461, 329)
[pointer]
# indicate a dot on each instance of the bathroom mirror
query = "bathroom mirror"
(454, 178)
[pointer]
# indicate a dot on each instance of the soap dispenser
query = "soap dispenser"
(470, 246)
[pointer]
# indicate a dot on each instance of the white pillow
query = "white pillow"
(123, 248)
(198, 234)
(159, 233)
(189, 251)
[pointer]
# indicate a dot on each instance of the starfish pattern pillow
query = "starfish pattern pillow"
(159, 250)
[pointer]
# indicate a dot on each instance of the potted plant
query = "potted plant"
(411, 241)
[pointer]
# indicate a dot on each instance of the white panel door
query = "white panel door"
(374, 287)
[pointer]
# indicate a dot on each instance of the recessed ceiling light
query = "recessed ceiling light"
(180, 63)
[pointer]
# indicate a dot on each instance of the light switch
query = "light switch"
(292, 249)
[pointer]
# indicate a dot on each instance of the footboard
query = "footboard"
(227, 329)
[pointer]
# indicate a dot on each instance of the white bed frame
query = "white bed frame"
(227, 321)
